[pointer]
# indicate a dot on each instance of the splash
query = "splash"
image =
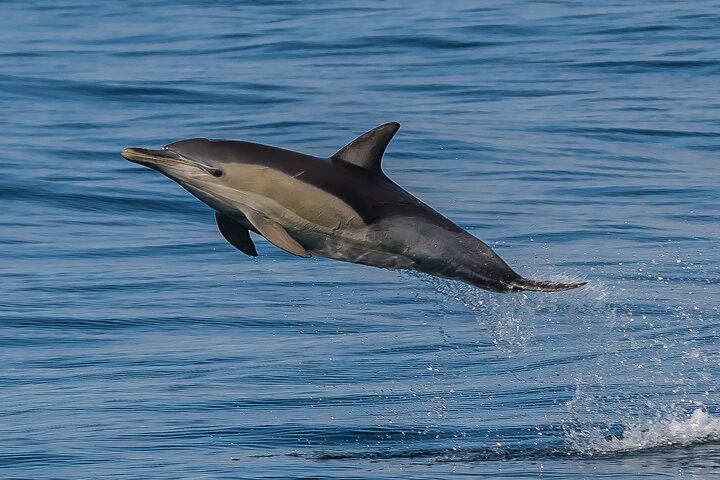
(663, 431)
(511, 319)
(643, 368)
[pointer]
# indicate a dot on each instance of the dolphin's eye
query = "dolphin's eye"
(216, 172)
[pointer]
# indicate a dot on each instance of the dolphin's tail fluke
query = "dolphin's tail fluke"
(540, 285)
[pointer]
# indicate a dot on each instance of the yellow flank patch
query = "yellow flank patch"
(283, 196)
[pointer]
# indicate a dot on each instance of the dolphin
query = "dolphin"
(343, 207)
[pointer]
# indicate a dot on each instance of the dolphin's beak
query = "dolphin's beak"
(151, 158)
(166, 161)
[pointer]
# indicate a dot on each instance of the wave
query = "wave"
(661, 434)
(665, 431)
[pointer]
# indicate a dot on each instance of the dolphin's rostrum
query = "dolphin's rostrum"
(343, 207)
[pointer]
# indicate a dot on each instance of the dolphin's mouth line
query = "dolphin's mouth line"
(163, 157)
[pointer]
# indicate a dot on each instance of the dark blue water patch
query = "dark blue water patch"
(670, 195)
(636, 66)
(367, 45)
(37, 459)
(39, 339)
(635, 29)
(633, 134)
(94, 202)
(485, 94)
(66, 90)
(502, 30)
(53, 322)
(379, 436)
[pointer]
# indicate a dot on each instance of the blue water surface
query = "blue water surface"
(580, 139)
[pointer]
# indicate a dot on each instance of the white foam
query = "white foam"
(698, 427)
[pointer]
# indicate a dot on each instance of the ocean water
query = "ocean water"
(581, 141)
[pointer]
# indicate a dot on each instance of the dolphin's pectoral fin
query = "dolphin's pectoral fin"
(275, 233)
(367, 150)
(236, 234)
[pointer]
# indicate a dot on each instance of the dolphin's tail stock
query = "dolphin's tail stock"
(484, 268)
(540, 285)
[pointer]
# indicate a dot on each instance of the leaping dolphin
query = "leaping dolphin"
(343, 207)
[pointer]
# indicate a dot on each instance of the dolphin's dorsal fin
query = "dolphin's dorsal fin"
(367, 150)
